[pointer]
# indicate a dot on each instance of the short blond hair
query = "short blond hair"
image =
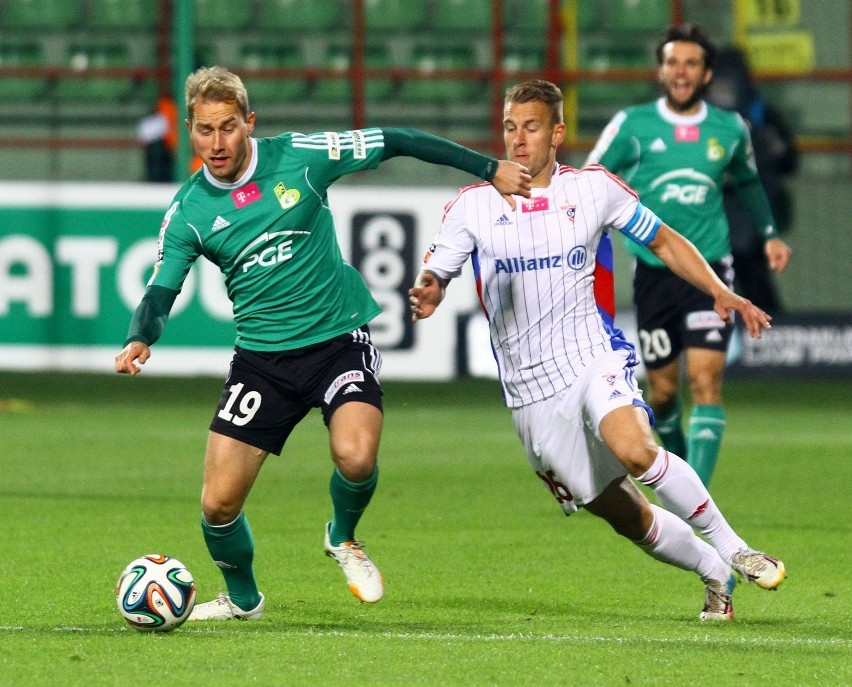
(215, 84)
(538, 90)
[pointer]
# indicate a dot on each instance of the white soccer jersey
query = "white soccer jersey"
(535, 272)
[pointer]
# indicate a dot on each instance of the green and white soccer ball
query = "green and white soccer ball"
(155, 592)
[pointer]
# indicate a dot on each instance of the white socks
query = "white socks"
(681, 492)
(672, 541)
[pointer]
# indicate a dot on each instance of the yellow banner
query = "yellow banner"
(768, 13)
(791, 52)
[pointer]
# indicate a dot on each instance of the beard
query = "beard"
(694, 99)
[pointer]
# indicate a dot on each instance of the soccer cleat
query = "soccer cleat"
(222, 608)
(755, 566)
(718, 599)
(362, 575)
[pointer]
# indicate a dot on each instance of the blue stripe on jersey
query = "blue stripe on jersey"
(643, 226)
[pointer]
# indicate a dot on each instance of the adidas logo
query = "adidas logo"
(713, 336)
(658, 146)
(615, 394)
(352, 389)
(220, 223)
(706, 434)
(502, 221)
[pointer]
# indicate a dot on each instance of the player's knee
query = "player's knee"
(637, 458)
(219, 512)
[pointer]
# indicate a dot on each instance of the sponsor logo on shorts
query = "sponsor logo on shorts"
(704, 319)
(343, 381)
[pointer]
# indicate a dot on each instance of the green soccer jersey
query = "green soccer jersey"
(678, 165)
(271, 234)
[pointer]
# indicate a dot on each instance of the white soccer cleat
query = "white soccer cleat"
(718, 599)
(755, 566)
(222, 608)
(362, 575)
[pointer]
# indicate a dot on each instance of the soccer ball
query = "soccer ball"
(155, 592)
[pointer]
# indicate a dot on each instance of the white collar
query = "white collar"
(681, 120)
(243, 179)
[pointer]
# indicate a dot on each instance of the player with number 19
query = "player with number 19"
(258, 209)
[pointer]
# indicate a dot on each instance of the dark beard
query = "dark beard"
(696, 97)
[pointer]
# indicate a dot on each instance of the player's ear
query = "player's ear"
(250, 122)
(708, 76)
(558, 135)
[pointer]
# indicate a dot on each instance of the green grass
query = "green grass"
(486, 582)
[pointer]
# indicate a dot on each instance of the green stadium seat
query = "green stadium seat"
(218, 14)
(521, 59)
(612, 56)
(302, 15)
(21, 88)
(339, 89)
(122, 15)
(444, 90)
(40, 15)
(526, 15)
(394, 15)
(266, 89)
(638, 15)
(88, 87)
(461, 15)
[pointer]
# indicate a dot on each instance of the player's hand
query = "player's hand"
(425, 295)
(511, 179)
(754, 319)
(777, 254)
(125, 362)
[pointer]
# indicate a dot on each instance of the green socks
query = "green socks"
(706, 427)
(349, 501)
(232, 548)
(670, 431)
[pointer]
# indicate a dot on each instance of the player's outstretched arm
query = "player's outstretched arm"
(426, 295)
(684, 260)
(125, 362)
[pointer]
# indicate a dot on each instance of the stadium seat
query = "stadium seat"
(21, 88)
(638, 15)
(610, 56)
(444, 90)
(82, 58)
(461, 15)
(303, 16)
(40, 15)
(339, 89)
(121, 15)
(216, 14)
(274, 89)
(394, 15)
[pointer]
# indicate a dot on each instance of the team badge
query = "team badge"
(571, 211)
(715, 152)
(287, 197)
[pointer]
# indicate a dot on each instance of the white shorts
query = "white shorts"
(561, 434)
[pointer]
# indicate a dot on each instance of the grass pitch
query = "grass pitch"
(486, 582)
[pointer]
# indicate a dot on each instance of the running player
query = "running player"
(676, 152)
(566, 372)
(258, 209)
